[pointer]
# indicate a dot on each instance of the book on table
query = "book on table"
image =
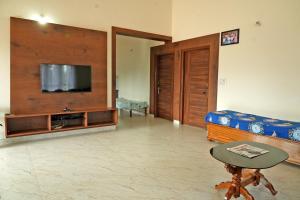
(247, 150)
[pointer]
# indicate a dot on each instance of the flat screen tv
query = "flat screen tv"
(65, 78)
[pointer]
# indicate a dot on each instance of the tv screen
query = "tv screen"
(65, 78)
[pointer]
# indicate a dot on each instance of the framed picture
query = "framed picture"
(230, 37)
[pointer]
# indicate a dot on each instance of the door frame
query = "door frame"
(132, 33)
(155, 76)
(182, 82)
(211, 42)
(179, 48)
(155, 53)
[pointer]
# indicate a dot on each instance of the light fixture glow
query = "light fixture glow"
(41, 19)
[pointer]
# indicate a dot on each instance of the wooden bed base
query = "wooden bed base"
(225, 134)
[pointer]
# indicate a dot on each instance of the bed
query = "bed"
(228, 126)
(130, 105)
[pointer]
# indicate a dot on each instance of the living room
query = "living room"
(63, 138)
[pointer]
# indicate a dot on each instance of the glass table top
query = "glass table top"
(270, 159)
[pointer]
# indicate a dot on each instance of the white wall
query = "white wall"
(92, 14)
(133, 67)
(262, 73)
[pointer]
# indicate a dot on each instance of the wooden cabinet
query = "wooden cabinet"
(31, 124)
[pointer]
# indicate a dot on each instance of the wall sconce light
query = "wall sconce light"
(41, 19)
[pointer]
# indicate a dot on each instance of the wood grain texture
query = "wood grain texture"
(237, 186)
(33, 44)
(226, 134)
(195, 91)
(212, 43)
(27, 124)
(113, 66)
(179, 49)
(141, 34)
(165, 66)
(100, 117)
(155, 53)
(31, 124)
(8, 116)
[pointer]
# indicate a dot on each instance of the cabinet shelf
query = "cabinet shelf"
(98, 124)
(26, 132)
(69, 128)
(31, 124)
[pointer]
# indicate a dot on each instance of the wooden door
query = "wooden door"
(196, 85)
(164, 86)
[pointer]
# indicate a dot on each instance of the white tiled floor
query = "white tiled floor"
(145, 158)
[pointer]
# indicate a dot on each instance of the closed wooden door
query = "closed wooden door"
(164, 89)
(196, 82)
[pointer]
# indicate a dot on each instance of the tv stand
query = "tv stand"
(31, 124)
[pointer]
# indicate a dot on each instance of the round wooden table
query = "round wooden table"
(240, 168)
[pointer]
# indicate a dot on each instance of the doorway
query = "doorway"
(195, 90)
(194, 82)
(133, 43)
(165, 79)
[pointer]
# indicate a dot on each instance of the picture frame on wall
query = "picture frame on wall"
(230, 37)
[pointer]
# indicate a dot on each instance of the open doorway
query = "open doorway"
(133, 74)
(131, 69)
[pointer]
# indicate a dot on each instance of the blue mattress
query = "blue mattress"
(256, 124)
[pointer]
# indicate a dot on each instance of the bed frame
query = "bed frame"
(226, 134)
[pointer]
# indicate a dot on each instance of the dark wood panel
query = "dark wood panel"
(165, 66)
(100, 117)
(195, 86)
(29, 124)
(33, 44)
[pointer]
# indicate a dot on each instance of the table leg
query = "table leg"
(236, 181)
(265, 181)
(223, 185)
(246, 194)
(235, 187)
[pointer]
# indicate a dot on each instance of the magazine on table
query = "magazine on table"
(247, 150)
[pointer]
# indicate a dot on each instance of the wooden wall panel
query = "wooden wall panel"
(33, 44)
